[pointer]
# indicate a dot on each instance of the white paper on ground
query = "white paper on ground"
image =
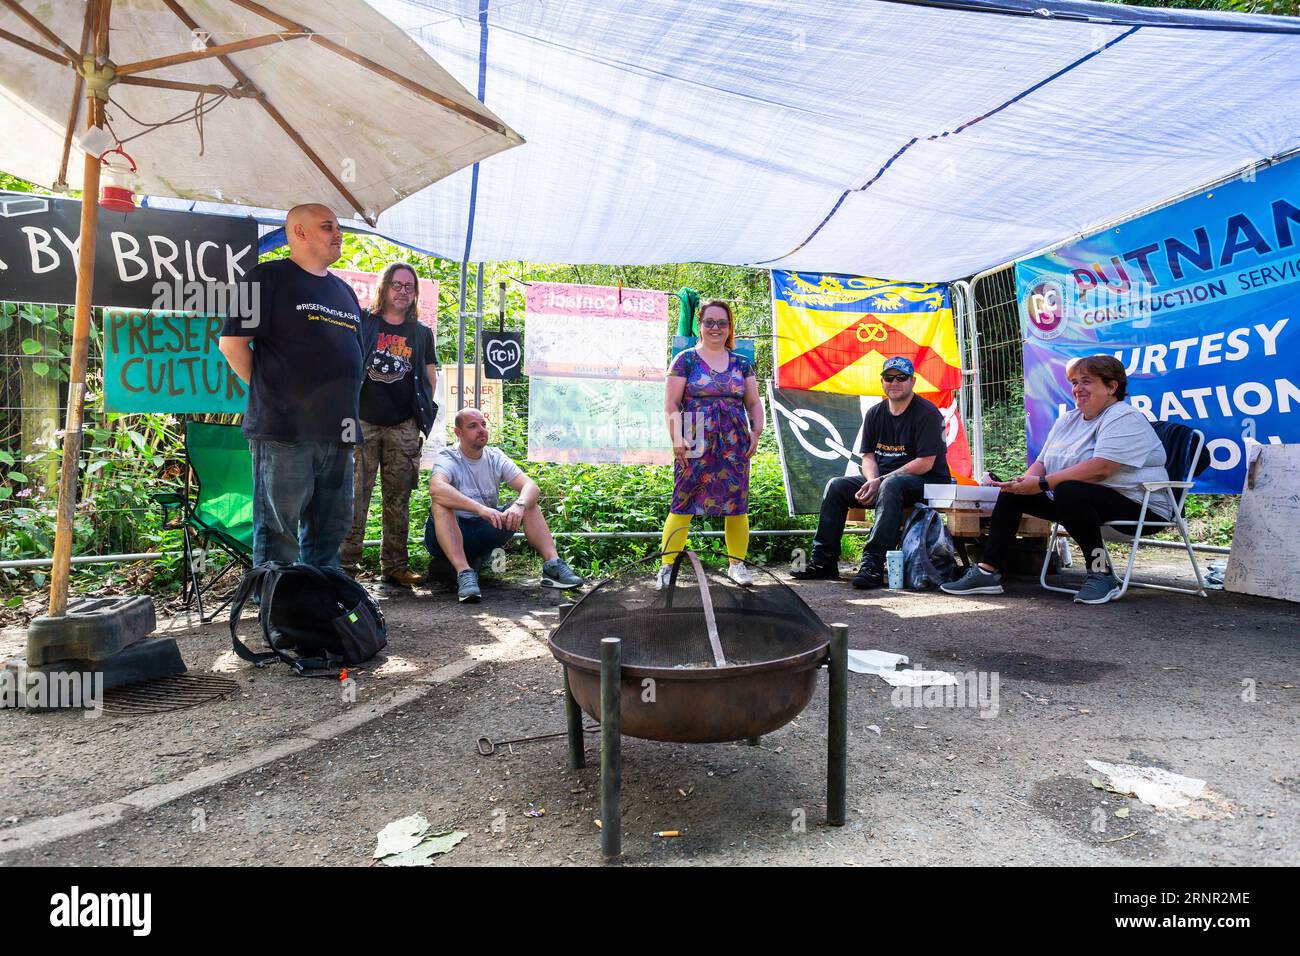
(1151, 785)
(430, 846)
(875, 662)
(401, 835)
(918, 678)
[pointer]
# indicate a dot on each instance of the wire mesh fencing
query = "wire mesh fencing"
(997, 356)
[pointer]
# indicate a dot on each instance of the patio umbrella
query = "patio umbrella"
(262, 104)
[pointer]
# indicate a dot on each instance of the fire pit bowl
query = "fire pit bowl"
(703, 661)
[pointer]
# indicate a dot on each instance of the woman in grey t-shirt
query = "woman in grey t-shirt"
(1090, 471)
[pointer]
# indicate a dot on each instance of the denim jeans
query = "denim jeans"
(302, 501)
(478, 537)
(896, 492)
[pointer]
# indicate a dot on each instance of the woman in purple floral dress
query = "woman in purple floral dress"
(714, 418)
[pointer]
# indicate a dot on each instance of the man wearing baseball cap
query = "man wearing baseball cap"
(902, 451)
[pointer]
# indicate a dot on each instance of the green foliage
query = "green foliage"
(1210, 518)
(1005, 449)
(1278, 8)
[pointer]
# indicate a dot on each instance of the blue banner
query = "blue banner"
(1198, 300)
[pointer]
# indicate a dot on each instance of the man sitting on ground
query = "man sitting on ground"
(902, 451)
(466, 522)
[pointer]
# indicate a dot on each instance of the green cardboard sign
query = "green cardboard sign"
(167, 362)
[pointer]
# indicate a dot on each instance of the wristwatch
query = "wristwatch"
(1043, 486)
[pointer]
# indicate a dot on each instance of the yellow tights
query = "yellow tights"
(736, 530)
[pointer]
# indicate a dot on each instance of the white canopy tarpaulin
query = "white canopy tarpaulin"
(901, 139)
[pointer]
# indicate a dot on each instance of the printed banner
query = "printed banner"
(365, 283)
(165, 362)
(819, 434)
(1197, 300)
(586, 331)
(147, 259)
(597, 421)
(833, 333)
(450, 400)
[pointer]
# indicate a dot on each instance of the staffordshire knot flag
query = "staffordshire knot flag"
(833, 333)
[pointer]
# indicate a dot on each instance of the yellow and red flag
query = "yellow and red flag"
(833, 333)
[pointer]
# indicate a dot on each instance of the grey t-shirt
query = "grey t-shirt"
(481, 479)
(1120, 434)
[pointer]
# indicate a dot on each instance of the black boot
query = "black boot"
(870, 574)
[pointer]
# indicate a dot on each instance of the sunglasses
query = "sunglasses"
(402, 286)
(895, 378)
(714, 323)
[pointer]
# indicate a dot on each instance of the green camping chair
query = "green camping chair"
(219, 510)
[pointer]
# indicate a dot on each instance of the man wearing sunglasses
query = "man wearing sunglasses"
(902, 451)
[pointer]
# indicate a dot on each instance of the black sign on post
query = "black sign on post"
(503, 354)
(147, 259)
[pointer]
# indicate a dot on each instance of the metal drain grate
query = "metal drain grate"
(163, 694)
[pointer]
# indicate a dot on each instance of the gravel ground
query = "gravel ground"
(1155, 679)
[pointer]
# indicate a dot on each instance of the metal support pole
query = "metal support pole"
(478, 337)
(572, 712)
(975, 440)
(960, 292)
(460, 345)
(837, 733)
(573, 719)
(611, 747)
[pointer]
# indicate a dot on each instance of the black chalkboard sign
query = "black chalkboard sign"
(148, 259)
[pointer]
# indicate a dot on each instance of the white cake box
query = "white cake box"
(966, 497)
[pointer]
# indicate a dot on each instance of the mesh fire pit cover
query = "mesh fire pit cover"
(687, 633)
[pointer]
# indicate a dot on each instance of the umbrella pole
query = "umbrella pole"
(68, 472)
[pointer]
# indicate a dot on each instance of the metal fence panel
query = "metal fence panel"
(999, 385)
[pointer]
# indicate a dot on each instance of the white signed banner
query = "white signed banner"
(587, 331)
(597, 421)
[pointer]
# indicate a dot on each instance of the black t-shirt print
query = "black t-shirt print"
(388, 391)
(307, 355)
(897, 439)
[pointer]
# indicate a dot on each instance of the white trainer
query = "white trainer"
(662, 575)
(740, 574)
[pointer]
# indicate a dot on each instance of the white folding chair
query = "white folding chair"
(1175, 492)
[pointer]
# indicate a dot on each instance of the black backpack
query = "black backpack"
(320, 614)
(929, 552)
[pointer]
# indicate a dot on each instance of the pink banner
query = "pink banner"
(364, 283)
(588, 331)
(597, 301)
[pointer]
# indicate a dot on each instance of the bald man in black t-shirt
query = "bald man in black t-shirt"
(298, 346)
